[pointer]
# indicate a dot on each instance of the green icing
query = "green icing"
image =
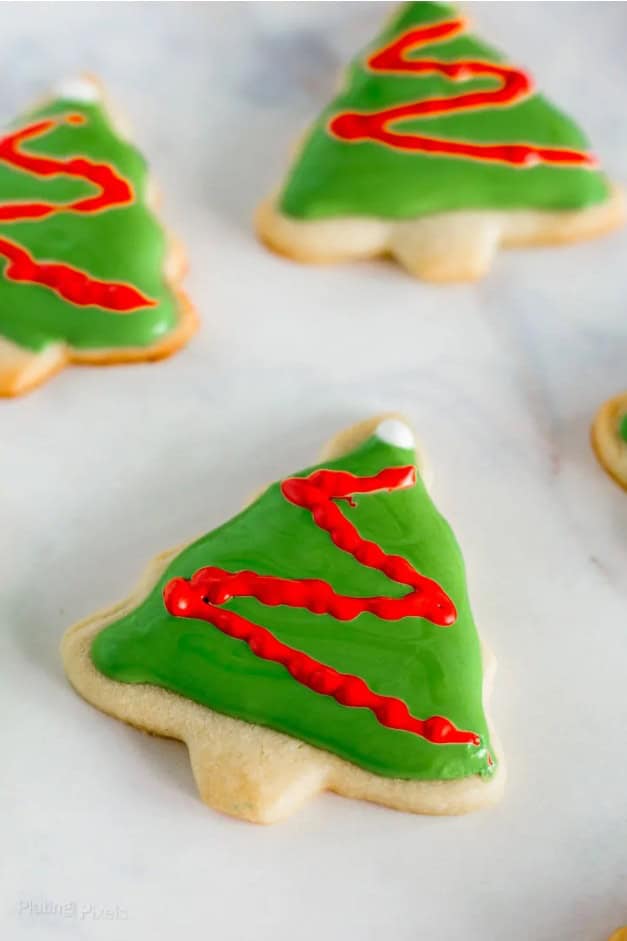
(622, 427)
(435, 670)
(123, 244)
(332, 177)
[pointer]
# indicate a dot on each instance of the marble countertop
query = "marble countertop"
(103, 834)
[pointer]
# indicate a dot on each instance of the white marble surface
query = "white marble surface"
(100, 469)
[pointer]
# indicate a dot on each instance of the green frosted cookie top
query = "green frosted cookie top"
(431, 119)
(81, 255)
(297, 615)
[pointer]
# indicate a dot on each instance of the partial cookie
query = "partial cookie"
(609, 438)
(437, 151)
(322, 639)
(620, 934)
(87, 273)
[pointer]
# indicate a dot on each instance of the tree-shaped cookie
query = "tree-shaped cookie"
(437, 150)
(87, 273)
(320, 640)
(609, 438)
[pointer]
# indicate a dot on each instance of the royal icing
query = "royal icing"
(440, 122)
(211, 587)
(622, 428)
(394, 431)
(81, 256)
(78, 89)
(333, 609)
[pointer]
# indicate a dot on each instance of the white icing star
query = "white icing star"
(395, 432)
(77, 89)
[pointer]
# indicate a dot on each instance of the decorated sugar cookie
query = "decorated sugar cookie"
(320, 640)
(87, 273)
(609, 438)
(437, 150)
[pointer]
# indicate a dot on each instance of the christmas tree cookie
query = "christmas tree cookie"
(87, 273)
(320, 640)
(436, 151)
(609, 438)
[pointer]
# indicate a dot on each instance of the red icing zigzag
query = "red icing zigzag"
(210, 587)
(73, 285)
(514, 86)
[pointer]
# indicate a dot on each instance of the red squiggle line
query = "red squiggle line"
(73, 285)
(200, 596)
(514, 86)
(114, 189)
